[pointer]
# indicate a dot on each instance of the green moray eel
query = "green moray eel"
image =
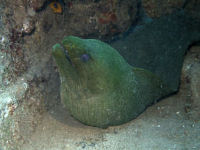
(98, 87)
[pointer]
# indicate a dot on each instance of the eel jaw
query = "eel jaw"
(66, 54)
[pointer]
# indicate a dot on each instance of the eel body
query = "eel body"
(99, 87)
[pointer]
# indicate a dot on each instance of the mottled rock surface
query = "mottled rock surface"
(157, 8)
(82, 18)
(35, 4)
(191, 75)
(103, 18)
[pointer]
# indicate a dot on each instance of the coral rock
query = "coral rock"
(103, 18)
(36, 4)
(157, 8)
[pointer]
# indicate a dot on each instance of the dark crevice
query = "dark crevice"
(195, 43)
(185, 3)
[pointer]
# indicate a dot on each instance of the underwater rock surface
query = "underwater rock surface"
(159, 46)
(99, 87)
(102, 19)
(17, 50)
(191, 74)
(158, 8)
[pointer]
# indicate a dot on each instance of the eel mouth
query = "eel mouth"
(66, 54)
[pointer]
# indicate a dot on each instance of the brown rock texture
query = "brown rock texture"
(35, 4)
(21, 16)
(191, 74)
(157, 8)
(103, 18)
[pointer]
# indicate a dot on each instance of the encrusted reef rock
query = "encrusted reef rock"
(190, 75)
(20, 99)
(157, 8)
(35, 4)
(102, 18)
(83, 18)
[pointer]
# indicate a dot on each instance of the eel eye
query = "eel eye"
(85, 57)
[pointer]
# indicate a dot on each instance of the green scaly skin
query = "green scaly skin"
(105, 90)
